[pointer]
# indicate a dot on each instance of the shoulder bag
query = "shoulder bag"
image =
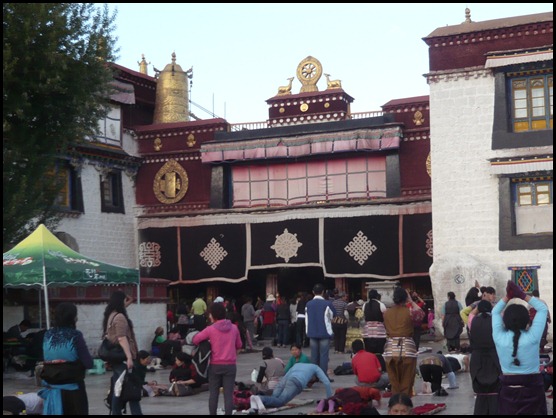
(110, 352)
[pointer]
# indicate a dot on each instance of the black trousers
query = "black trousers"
(433, 374)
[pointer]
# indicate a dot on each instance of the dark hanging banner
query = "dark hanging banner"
(362, 246)
(158, 253)
(417, 243)
(287, 243)
(213, 252)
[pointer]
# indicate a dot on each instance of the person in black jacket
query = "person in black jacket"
(484, 366)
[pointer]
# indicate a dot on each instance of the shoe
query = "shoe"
(453, 387)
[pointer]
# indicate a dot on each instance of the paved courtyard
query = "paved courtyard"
(459, 402)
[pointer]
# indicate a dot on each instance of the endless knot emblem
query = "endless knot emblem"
(149, 254)
(429, 243)
(360, 248)
(213, 254)
(286, 245)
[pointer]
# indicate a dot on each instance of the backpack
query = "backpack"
(201, 358)
(343, 369)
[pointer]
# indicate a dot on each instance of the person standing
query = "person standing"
(225, 342)
(517, 345)
(118, 328)
(300, 326)
(318, 318)
(283, 322)
(484, 366)
(340, 322)
(374, 333)
(65, 343)
(400, 354)
(452, 322)
(199, 311)
(248, 314)
(417, 326)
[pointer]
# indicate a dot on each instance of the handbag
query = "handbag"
(179, 389)
(62, 372)
(132, 387)
(110, 352)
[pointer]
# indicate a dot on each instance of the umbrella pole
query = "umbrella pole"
(40, 309)
(46, 306)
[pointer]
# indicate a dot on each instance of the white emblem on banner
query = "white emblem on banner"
(286, 245)
(213, 254)
(360, 248)
(149, 254)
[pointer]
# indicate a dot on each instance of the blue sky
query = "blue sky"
(241, 53)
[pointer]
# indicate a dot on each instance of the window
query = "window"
(532, 199)
(70, 197)
(526, 212)
(525, 277)
(532, 101)
(112, 200)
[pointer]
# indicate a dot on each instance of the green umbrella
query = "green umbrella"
(41, 260)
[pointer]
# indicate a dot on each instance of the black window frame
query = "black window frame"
(116, 202)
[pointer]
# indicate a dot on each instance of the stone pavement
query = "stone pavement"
(459, 402)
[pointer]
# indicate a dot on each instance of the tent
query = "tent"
(41, 260)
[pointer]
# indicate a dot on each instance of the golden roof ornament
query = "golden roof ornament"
(172, 97)
(287, 89)
(309, 72)
(143, 65)
(332, 84)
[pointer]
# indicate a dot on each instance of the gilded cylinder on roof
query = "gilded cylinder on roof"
(172, 101)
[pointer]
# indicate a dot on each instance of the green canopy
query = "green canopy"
(41, 260)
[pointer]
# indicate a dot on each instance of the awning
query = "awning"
(122, 92)
(521, 165)
(503, 60)
(299, 146)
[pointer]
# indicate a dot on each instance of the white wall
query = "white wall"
(146, 317)
(465, 193)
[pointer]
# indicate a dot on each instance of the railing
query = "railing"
(248, 126)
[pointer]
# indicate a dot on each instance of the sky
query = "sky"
(241, 53)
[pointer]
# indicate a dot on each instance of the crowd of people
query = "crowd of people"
(505, 337)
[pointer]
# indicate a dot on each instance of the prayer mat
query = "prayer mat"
(294, 403)
(429, 409)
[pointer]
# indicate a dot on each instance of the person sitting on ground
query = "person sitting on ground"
(14, 335)
(181, 372)
(291, 385)
(270, 372)
(297, 357)
(400, 404)
(167, 349)
(367, 368)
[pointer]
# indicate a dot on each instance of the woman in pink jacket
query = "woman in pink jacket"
(225, 342)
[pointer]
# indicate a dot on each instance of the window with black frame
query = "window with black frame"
(112, 199)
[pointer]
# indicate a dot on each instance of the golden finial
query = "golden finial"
(172, 98)
(143, 65)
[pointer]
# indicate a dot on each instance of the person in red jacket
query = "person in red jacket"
(366, 367)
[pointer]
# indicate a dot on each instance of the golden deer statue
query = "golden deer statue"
(332, 84)
(282, 90)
